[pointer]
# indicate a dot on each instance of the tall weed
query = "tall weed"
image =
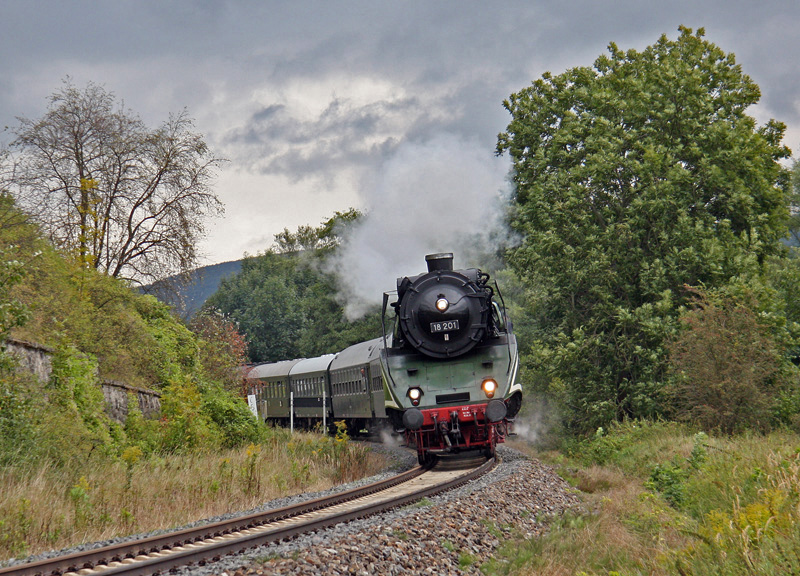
(752, 536)
(52, 506)
(669, 501)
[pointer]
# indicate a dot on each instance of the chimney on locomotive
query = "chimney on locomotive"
(441, 261)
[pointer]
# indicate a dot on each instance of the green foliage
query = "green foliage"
(264, 300)
(15, 529)
(633, 446)
(18, 415)
(141, 432)
(730, 372)
(325, 237)
(784, 278)
(187, 426)
(77, 426)
(81, 501)
(232, 417)
(286, 305)
(634, 178)
(13, 313)
(101, 330)
(794, 219)
(175, 347)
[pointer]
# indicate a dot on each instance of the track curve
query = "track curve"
(211, 542)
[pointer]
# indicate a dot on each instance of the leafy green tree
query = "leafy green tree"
(634, 178)
(285, 303)
(263, 300)
(794, 219)
(326, 236)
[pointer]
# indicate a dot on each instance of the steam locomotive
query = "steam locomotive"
(443, 373)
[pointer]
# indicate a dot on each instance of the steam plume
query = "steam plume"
(444, 195)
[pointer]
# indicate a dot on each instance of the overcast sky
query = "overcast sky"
(321, 106)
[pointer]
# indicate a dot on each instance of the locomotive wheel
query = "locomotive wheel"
(424, 458)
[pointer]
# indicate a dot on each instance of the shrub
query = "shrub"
(18, 406)
(186, 426)
(232, 417)
(141, 432)
(726, 366)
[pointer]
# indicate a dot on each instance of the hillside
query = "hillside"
(187, 295)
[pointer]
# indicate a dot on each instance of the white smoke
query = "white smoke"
(445, 195)
(539, 420)
(390, 439)
(530, 428)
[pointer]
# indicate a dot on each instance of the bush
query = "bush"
(18, 407)
(232, 417)
(186, 426)
(727, 366)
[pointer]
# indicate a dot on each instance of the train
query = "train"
(443, 373)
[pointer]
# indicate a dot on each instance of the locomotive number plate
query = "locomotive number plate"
(447, 326)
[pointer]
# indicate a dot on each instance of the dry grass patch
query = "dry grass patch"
(50, 508)
(628, 531)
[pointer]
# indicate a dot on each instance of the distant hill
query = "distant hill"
(187, 296)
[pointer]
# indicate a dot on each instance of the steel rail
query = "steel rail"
(210, 542)
(212, 552)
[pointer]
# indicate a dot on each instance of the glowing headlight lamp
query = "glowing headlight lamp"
(442, 304)
(414, 394)
(489, 387)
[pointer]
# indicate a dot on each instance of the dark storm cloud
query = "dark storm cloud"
(318, 93)
(342, 135)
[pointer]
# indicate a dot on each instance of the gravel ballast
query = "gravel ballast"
(452, 533)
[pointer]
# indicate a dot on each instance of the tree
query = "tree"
(794, 220)
(326, 236)
(635, 177)
(222, 348)
(125, 199)
(286, 303)
(728, 364)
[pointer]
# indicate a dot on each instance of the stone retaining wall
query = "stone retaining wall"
(38, 360)
(116, 395)
(32, 357)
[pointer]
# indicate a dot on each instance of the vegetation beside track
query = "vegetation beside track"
(49, 507)
(664, 499)
(68, 473)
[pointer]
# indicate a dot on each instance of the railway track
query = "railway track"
(158, 554)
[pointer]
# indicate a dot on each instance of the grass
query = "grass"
(45, 507)
(664, 500)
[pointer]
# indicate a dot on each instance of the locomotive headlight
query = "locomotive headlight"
(489, 387)
(442, 304)
(414, 395)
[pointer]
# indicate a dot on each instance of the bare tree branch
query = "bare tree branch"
(127, 200)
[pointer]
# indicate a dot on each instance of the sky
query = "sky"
(390, 107)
